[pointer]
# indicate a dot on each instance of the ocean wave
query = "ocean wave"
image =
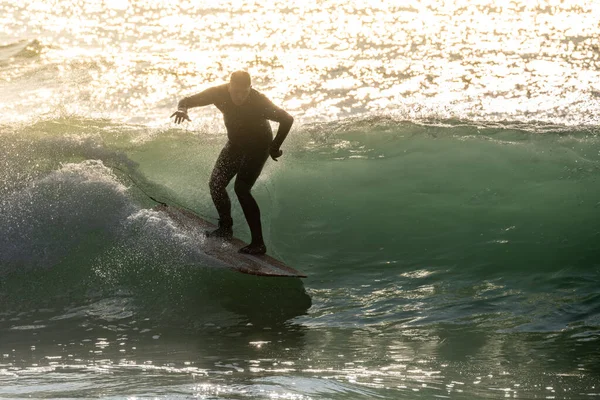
(21, 49)
(378, 196)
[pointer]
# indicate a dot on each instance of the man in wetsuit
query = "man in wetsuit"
(246, 113)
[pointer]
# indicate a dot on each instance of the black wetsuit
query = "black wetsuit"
(250, 140)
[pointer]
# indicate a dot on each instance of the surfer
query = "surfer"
(250, 143)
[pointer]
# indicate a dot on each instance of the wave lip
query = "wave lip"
(21, 49)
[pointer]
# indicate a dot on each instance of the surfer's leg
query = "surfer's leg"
(249, 172)
(226, 167)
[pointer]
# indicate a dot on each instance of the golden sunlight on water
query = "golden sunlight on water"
(323, 60)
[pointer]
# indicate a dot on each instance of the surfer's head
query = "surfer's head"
(239, 87)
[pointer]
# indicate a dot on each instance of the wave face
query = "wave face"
(450, 192)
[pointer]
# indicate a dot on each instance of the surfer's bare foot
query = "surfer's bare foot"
(220, 233)
(253, 249)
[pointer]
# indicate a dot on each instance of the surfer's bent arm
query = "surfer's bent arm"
(285, 124)
(203, 98)
(274, 113)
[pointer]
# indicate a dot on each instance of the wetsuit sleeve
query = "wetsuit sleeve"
(204, 98)
(274, 113)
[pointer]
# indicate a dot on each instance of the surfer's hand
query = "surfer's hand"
(180, 116)
(275, 153)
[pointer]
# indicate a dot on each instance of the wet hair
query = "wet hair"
(241, 78)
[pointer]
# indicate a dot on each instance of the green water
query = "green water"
(443, 260)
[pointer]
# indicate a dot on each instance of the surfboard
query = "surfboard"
(225, 252)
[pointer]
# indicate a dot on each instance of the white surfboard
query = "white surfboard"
(225, 252)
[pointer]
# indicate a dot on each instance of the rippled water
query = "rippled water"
(439, 188)
(534, 61)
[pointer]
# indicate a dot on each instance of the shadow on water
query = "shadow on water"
(262, 300)
(149, 312)
(174, 295)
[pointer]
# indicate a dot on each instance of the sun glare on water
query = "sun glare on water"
(476, 59)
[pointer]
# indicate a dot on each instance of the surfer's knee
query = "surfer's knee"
(216, 184)
(242, 189)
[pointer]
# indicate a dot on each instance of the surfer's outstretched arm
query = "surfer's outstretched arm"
(203, 98)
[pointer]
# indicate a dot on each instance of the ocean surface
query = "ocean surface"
(440, 188)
